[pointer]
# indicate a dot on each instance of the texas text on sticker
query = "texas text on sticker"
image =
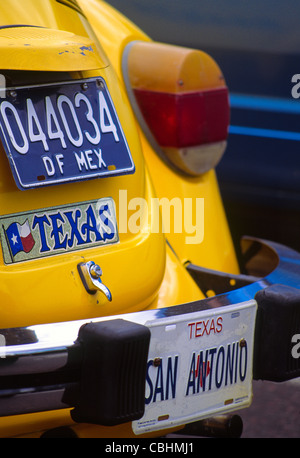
(57, 230)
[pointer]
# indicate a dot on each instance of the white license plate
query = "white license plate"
(199, 365)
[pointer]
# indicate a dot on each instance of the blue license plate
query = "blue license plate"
(63, 132)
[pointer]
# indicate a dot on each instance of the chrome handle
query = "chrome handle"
(90, 274)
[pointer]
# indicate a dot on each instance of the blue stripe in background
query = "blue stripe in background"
(254, 102)
(268, 133)
(264, 104)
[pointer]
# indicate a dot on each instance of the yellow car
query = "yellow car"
(124, 311)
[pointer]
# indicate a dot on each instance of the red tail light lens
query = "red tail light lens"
(181, 98)
(185, 119)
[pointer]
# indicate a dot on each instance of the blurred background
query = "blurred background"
(257, 45)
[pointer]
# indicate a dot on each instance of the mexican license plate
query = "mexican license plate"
(199, 365)
(63, 132)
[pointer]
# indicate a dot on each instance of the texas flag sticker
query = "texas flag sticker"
(19, 238)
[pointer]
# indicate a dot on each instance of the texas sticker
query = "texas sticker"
(58, 230)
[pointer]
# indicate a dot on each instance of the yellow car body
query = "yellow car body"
(145, 269)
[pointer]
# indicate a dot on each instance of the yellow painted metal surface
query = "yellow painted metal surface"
(44, 49)
(206, 240)
(34, 299)
(215, 248)
(141, 270)
(172, 69)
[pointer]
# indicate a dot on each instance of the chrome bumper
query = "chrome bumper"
(41, 366)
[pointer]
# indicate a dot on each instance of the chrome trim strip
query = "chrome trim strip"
(32, 401)
(35, 363)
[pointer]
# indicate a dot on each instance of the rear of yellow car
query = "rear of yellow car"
(49, 52)
(109, 205)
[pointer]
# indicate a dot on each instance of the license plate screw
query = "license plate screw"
(100, 83)
(85, 86)
(243, 343)
(156, 362)
(13, 94)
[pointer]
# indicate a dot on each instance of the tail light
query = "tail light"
(181, 101)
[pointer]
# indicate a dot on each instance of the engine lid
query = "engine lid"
(35, 48)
